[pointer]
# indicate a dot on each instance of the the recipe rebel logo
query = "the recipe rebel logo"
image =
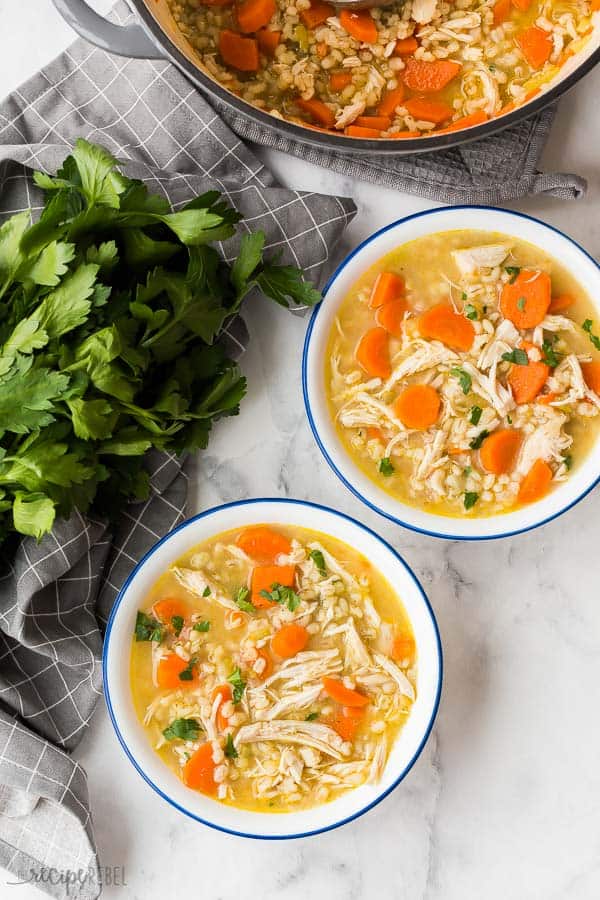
(74, 880)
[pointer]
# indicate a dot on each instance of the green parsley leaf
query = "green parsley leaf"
(147, 628)
(386, 466)
(464, 379)
(229, 749)
(475, 415)
(204, 625)
(238, 684)
(509, 419)
(188, 673)
(319, 561)
(241, 600)
(463, 296)
(470, 499)
(177, 624)
(206, 591)
(311, 717)
(467, 471)
(183, 730)
(568, 461)
(587, 326)
(478, 441)
(513, 271)
(282, 594)
(471, 311)
(549, 355)
(518, 357)
(521, 303)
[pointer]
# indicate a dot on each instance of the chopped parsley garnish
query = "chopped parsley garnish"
(587, 326)
(201, 626)
(147, 628)
(568, 461)
(463, 296)
(188, 673)
(471, 311)
(549, 355)
(282, 594)
(177, 624)
(183, 729)
(229, 749)
(478, 441)
(521, 303)
(475, 416)
(467, 471)
(319, 561)
(509, 420)
(241, 600)
(513, 271)
(518, 356)
(386, 466)
(312, 716)
(238, 684)
(206, 591)
(471, 498)
(464, 379)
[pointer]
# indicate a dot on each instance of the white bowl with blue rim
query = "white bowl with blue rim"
(571, 255)
(135, 741)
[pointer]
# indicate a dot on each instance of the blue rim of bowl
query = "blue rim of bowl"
(438, 647)
(305, 392)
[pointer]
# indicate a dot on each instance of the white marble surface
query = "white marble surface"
(503, 803)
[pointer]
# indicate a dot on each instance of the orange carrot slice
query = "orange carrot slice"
(262, 543)
(429, 77)
(164, 610)
(388, 286)
(346, 722)
(382, 123)
(289, 640)
(255, 14)
(536, 46)
(527, 300)
(560, 303)
(526, 382)
(199, 770)
(390, 100)
(591, 373)
(403, 135)
(418, 406)
(339, 80)
(477, 118)
(263, 579)
(391, 316)
(359, 25)
(337, 690)
(319, 111)
(403, 647)
(239, 52)
(373, 353)
(268, 41)
(317, 13)
(428, 110)
(536, 483)
(268, 666)
(374, 434)
(442, 323)
(522, 5)
(405, 46)
(168, 671)
(499, 451)
(501, 11)
(361, 132)
(225, 693)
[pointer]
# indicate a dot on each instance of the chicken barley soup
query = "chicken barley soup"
(463, 373)
(273, 667)
(407, 70)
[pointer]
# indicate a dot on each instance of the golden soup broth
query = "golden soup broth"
(283, 743)
(446, 476)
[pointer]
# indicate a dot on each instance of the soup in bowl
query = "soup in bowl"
(460, 372)
(272, 657)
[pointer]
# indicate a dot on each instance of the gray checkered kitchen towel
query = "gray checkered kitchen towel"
(54, 595)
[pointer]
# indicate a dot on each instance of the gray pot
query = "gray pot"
(157, 37)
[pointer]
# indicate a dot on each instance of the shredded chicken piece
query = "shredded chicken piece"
(289, 731)
(487, 256)
(427, 355)
(396, 673)
(378, 762)
(488, 386)
(503, 340)
(305, 667)
(196, 582)
(433, 455)
(547, 442)
(423, 11)
(295, 701)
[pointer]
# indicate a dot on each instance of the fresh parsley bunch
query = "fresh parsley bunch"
(111, 307)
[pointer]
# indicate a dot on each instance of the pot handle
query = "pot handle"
(124, 40)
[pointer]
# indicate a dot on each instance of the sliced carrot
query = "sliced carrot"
(199, 770)
(426, 77)
(255, 14)
(442, 323)
(289, 640)
(501, 11)
(262, 543)
(319, 111)
(591, 373)
(536, 483)
(545, 399)
(405, 46)
(560, 303)
(225, 693)
(361, 132)
(339, 80)
(526, 382)
(388, 286)
(338, 691)
(373, 353)
(403, 135)
(595, 6)
(168, 607)
(527, 300)
(418, 406)
(263, 579)
(391, 316)
(346, 722)
(382, 123)
(168, 671)
(403, 647)
(317, 13)
(268, 667)
(522, 5)
(268, 41)
(428, 110)
(390, 100)
(477, 118)
(233, 618)
(499, 450)
(239, 52)
(374, 434)
(536, 46)
(360, 25)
